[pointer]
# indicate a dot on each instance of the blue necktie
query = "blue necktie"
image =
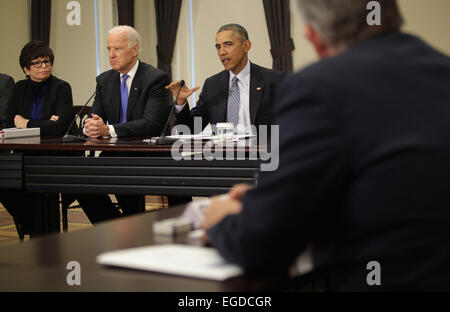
(124, 99)
(234, 100)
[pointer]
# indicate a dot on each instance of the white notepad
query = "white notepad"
(186, 260)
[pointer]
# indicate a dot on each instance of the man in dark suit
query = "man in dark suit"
(6, 87)
(364, 166)
(131, 101)
(141, 107)
(239, 94)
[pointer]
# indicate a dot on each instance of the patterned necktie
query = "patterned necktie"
(124, 99)
(233, 102)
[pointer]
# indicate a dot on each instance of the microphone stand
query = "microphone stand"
(68, 138)
(163, 139)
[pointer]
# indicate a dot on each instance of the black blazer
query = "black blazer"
(6, 87)
(364, 171)
(58, 101)
(213, 100)
(148, 101)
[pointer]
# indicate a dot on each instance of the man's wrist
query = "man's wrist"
(179, 108)
(181, 102)
(105, 130)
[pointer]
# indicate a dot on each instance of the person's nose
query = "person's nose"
(222, 51)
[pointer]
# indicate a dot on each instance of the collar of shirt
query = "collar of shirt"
(130, 74)
(243, 76)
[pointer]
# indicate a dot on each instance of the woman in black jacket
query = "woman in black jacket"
(42, 100)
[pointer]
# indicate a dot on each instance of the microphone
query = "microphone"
(67, 138)
(163, 140)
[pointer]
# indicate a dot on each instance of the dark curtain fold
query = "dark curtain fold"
(125, 9)
(40, 20)
(278, 19)
(167, 17)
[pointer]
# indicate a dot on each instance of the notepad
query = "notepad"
(185, 260)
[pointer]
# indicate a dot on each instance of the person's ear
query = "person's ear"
(136, 50)
(247, 46)
(316, 40)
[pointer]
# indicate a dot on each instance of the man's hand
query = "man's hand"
(238, 191)
(221, 206)
(219, 209)
(95, 127)
(185, 92)
(20, 122)
(54, 118)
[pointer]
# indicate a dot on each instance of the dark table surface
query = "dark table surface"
(40, 264)
(136, 144)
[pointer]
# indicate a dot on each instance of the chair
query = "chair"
(19, 230)
(67, 199)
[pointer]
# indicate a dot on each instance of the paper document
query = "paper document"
(186, 260)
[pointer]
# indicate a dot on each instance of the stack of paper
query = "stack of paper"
(10, 133)
(186, 260)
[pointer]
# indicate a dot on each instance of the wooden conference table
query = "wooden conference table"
(131, 166)
(46, 165)
(40, 264)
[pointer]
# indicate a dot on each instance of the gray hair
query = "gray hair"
(344, 22)
(132, 35)
(240, 30)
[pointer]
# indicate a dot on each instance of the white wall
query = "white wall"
(144, 22)
(428, 19)
(74, 49)
(15, 33)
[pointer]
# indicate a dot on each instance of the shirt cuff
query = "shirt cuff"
(112, 132)
(179, 108)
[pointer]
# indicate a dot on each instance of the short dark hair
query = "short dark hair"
(344, 22)
(33, 50)
(240, 30)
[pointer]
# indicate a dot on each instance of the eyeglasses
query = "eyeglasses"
(38, 64)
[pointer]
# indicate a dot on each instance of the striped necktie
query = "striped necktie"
(234, 100)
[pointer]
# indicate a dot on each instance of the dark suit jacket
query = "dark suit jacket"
(58, 101)
(212, 103)
(364, 171)
(148, 101)
(6, 87)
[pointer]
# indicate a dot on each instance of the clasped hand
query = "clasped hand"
(95, 127)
